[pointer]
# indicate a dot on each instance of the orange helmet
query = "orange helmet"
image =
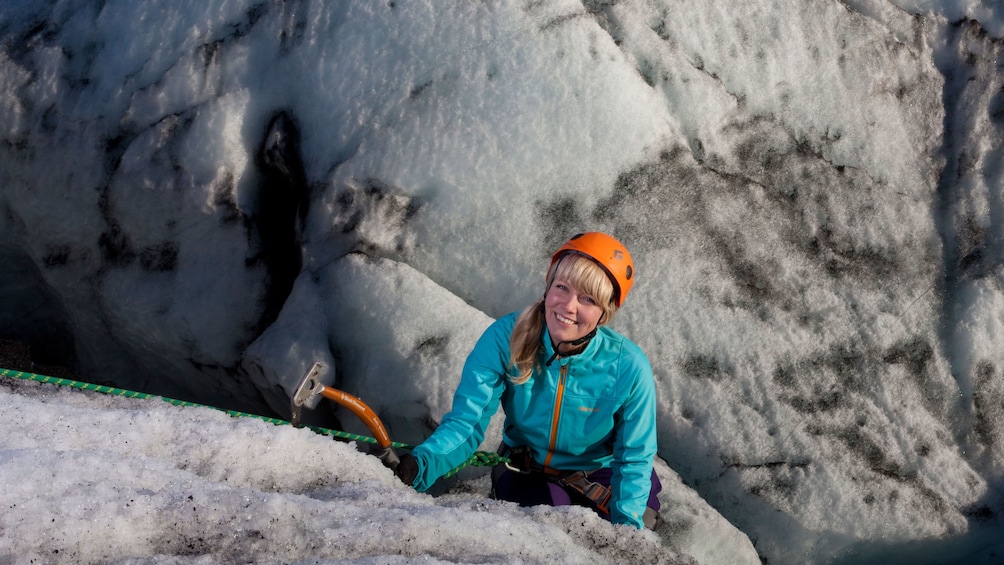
(609, 253)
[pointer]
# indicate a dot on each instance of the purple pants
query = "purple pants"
(534, 489)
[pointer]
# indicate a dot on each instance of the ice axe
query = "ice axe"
(310, 386)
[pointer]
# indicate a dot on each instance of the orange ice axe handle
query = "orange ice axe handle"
(361, 410)
(311, 386)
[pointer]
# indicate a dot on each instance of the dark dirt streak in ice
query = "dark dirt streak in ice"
(971, 238)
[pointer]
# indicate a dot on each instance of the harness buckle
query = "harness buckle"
(600, 495)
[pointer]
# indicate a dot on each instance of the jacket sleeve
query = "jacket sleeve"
(635, 446)
(474, 403)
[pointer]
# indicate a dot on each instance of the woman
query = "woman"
(579, 398)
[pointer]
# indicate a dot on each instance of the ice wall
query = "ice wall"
(200, 200)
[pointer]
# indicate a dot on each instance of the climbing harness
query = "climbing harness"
(520, 461)
(478, 459)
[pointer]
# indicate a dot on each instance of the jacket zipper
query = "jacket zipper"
(557, 414)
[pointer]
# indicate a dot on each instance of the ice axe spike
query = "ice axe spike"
(310, 386)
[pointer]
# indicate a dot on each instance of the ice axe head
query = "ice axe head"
(309, 387)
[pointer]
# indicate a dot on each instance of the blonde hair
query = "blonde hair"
(584, 274)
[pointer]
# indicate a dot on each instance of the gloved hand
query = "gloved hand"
(407, 469)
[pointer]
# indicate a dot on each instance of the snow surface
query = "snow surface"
(92, 478)
(200, 199)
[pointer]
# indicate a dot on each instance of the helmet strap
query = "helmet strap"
(574, 344)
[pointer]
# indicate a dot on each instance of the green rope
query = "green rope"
(478, 459)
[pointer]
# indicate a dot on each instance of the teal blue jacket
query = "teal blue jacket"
(584, 412)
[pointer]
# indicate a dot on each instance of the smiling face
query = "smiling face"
(569, 312)
(577, 299)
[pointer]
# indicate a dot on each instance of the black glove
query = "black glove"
(407, 469)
